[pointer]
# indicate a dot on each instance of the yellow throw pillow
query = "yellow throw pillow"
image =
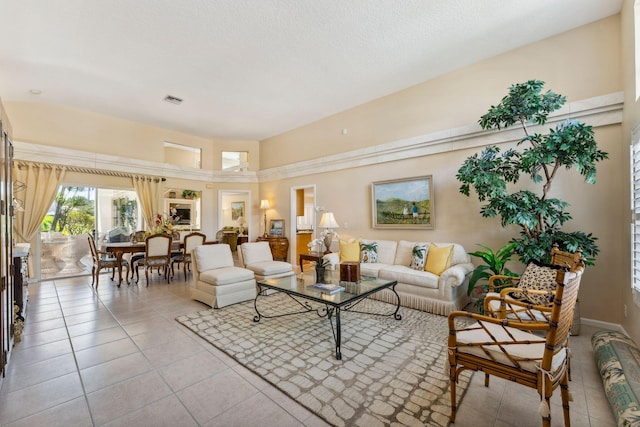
(350, 251)
(438, 259)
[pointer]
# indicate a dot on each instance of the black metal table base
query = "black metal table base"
(328, 310)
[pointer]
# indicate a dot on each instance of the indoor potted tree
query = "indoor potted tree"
(495, 264)
(540, 218)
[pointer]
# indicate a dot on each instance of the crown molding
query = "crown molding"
(86, 160)
(597, 111)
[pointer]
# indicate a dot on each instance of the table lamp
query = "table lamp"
(264, 205)
(329, 222)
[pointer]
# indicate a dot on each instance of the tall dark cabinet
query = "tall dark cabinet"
(6, 245)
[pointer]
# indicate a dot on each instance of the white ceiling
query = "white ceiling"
(250, 69)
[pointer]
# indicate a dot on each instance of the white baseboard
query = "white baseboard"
(603, 325)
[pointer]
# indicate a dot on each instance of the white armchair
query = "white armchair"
(257, 257)
(218, 282)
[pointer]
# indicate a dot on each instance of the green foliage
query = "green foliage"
(74, 214)
(540, 218)
(189, 194)
(495, 263)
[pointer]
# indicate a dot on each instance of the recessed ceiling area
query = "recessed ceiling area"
(249, 69)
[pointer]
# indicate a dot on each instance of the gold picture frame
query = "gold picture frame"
(405, 203)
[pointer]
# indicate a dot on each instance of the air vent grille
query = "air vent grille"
(173, 99)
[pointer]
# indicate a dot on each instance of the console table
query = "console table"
(279, 246)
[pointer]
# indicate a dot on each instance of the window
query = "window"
(635, 209)
(235, 161)
(182, 155)
(108, 214)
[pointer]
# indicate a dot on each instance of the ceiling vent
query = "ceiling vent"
(173, 99)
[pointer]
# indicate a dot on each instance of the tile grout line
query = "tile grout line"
(153, 367)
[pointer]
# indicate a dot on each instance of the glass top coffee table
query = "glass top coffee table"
(300, 288)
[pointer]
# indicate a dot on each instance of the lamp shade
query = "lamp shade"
(264, 204)
(328, 221)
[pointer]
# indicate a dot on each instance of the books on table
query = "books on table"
(329, 288)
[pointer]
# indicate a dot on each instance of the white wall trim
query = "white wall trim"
(597, 111)
(603, 325)
(84, 159)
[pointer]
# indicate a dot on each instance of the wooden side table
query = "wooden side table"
(242, 239)
(279, 246)
(312, 256)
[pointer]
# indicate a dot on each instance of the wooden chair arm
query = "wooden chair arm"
(513, 280)
(454, 326)
(516, 310)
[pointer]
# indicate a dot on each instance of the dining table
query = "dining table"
(118, 249)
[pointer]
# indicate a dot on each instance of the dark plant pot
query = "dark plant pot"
(320, 275)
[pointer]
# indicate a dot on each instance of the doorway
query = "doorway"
(234, 210)
(302, 220)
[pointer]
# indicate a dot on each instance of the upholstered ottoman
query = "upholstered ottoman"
(217, 281)
(618, 360)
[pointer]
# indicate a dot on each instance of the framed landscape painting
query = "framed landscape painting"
(237, 210)
(403, 203)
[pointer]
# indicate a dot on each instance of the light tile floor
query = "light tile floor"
(117, 357)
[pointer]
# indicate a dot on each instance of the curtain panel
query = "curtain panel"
(41, 186)
(149, 192)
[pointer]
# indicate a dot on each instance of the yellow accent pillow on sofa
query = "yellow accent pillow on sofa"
(350, 251)
(438, 259)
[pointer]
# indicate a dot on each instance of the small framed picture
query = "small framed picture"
(276, 227)
(237, 210)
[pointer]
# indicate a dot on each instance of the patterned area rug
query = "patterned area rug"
(392, 372)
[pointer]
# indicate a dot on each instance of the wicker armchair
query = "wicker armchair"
(506, 300)
(508, 348)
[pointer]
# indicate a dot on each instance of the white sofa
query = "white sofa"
(217, 281)
(417, 289)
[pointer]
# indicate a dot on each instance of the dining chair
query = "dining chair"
(157, 253)
(136, 236)
(190, 242)
(102, 260)
(533, 354)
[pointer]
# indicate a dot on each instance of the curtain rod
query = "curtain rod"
(92, 171)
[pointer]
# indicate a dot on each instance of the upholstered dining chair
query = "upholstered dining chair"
(102, 260)
(157, 253)
(511, 350)
(190, 242)
(136, 236)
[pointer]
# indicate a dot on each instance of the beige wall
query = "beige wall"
(631, 119)
(579, 64)
(60, 126)
(461, 97)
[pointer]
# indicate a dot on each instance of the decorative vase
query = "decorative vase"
(320, 274)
